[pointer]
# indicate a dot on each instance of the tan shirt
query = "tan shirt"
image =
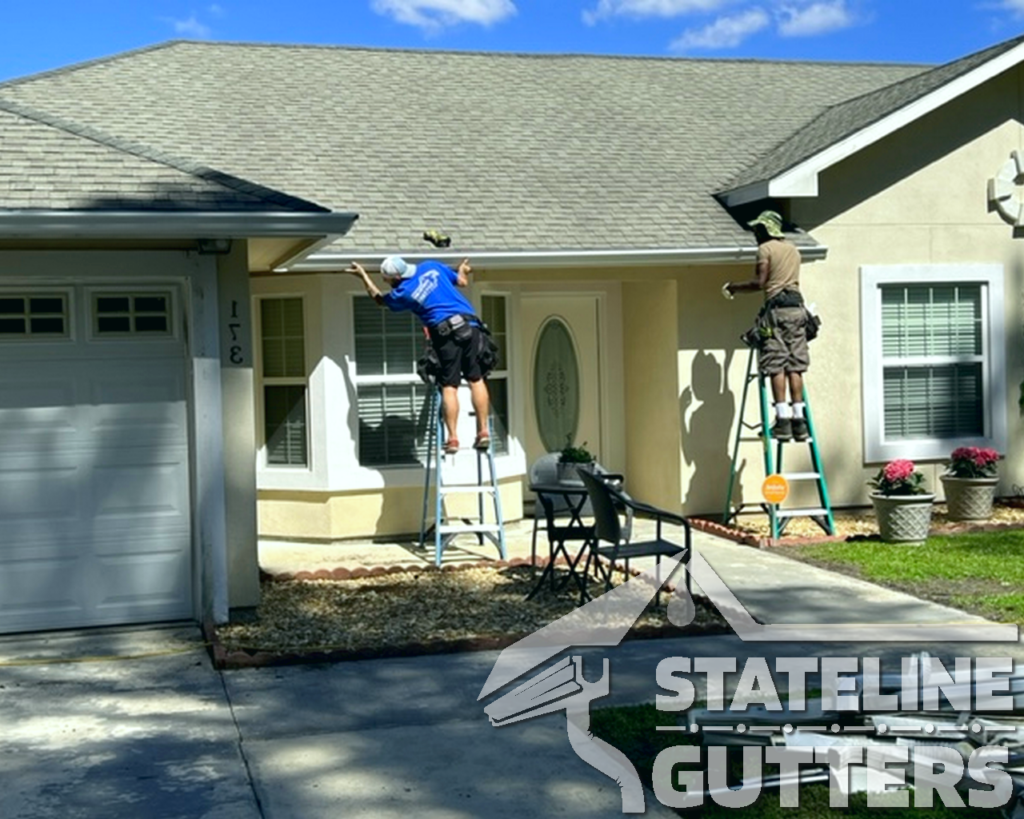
(783, 266)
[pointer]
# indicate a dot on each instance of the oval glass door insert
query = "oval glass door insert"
(556, 386)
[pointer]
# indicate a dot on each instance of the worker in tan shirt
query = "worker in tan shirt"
(782, 352)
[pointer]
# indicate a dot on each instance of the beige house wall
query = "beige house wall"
(920, 197)
(239, 426)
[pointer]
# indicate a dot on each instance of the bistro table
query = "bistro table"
(563, 500)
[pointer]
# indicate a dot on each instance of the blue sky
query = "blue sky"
(37, 36)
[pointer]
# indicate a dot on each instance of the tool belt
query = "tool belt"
(784, 298)
(459, 327)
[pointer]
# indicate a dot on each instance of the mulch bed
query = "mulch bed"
(341, 615)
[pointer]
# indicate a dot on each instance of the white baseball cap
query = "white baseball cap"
(397, 267)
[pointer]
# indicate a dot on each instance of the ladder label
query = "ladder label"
(775, 489)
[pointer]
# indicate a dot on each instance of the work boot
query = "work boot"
(783, 429)
(800, 431)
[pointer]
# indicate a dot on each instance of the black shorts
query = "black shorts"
(458, 356)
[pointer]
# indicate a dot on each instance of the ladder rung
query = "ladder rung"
(800, 513)
(483, 528)
(801, 476)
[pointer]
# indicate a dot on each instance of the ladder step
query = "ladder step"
(482, 528)
(465, 488)
(801, 476)
(800, 513)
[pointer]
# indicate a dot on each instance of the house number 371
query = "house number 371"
(235, 328)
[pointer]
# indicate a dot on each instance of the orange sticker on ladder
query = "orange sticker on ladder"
(775, 489)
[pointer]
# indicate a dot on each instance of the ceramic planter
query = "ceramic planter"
(903, 518)
(969, 498)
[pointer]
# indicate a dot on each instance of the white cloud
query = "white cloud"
(217, 10)
(432, 15)
(190, 28)
(816, 18)
(1015, 6)
(650, 8)
(726, 32)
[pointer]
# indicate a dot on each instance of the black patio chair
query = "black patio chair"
(610, 505)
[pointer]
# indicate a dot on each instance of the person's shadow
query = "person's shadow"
(706, 443)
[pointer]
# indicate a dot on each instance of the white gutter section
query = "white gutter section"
(170, 224)
(688, 257)
(802, 180)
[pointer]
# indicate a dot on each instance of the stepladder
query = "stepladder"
(785, 494)
(461, 496)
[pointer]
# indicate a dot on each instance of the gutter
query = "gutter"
(171, 224)
(686, 257)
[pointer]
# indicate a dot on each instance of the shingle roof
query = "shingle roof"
(48, 164)
(846, 118)
(505, 152)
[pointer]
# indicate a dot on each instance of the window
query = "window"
(493, 310)
(934, 370)
(285, 428)
(33, 315)
(392, 400)
(131, 314)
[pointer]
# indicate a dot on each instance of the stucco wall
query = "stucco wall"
(918, 196)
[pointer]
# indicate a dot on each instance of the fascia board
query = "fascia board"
(330, 262)
(802, 180)
(68, 224)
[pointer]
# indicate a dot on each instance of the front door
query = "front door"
(563, 384)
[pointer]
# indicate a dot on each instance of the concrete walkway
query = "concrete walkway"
(147, 727)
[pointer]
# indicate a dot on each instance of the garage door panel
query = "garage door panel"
(94, 482)
(32, 495)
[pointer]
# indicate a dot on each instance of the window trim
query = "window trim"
(69, 334)
(991, 279)
(281, 381)
(174, 314)
(504, 371)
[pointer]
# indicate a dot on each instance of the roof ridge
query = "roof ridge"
(67, 69)
(476, 53)
(195, 169)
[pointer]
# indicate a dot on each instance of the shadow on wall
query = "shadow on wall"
(706, 411)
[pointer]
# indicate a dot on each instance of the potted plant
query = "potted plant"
(903, 506)
(572, 458)
(970, 483)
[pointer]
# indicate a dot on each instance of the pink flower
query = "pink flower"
(899, 470)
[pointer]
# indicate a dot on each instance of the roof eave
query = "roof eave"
(328, 262)
(164, 224)
(801, 180)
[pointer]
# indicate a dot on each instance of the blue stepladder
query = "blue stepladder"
(488, 524)
(778, 515)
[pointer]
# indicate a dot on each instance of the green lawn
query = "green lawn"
(633, 730)
(982, 573)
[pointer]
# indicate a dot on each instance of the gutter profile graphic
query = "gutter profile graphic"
(564, 686)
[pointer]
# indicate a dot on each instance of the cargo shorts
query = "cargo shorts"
(785, 350)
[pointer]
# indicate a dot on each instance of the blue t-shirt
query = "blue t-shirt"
(431, 293)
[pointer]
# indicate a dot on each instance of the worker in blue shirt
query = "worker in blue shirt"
(429, 289)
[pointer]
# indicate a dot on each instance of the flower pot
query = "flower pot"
(969, 498)
(903, 518)
(568, 473)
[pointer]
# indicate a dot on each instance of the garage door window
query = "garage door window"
(285, 428)
(23, 315)
(121, 314)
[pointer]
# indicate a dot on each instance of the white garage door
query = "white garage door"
(94, 472)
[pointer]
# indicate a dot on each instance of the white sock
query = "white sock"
(798, 409)
(783, 410)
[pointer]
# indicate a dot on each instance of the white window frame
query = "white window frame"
(872, 279)
(174, 317)
(282, 381)
(43, 292)
(504, 370)
(374, 380)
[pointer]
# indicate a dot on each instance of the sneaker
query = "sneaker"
(783, 429)
(482, 442)
(451, 446)
(800, 431)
